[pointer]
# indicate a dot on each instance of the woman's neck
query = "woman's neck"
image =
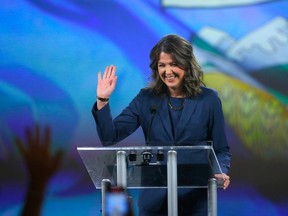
(176, 94)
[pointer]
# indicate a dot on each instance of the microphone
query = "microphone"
(153, 111)
(160, 154)
(146, 154)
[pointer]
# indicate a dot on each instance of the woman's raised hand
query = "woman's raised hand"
(107, 83)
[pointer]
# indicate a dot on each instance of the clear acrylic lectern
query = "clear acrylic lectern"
(170, 167)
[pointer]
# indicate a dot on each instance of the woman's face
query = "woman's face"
(170, 73)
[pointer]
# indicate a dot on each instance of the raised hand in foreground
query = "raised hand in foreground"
(41, 164)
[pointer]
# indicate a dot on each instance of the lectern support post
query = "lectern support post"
(212, 197)
(105, 185)
(172, 183)
(121, 169)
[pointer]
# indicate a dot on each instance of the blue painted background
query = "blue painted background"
(51, 51)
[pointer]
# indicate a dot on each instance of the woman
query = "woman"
(182, 109)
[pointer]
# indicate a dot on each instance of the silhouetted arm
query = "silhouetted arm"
(41, 165)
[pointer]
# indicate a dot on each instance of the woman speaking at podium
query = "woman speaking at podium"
(176, 109)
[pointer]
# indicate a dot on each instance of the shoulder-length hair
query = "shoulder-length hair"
(182, 54)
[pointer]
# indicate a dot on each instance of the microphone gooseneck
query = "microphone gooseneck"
(153, 111)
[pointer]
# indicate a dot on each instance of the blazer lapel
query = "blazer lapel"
(165, 118)
(188, 110)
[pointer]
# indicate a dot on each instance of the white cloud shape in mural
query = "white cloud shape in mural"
(210, 3)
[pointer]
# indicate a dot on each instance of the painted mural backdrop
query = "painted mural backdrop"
(51, 51)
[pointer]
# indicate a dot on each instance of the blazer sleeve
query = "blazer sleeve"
(111, 131)
(217, 133)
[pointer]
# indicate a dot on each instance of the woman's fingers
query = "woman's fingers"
(105, 73)
(113, 71)
(99, 77)
(225, 178)
(109, 72)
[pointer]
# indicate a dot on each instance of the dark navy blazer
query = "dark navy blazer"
(201, 120)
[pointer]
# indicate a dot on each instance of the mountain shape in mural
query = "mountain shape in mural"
(269, 42)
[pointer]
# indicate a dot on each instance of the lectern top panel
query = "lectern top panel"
(146, 166)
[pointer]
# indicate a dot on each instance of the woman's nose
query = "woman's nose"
(168, 71)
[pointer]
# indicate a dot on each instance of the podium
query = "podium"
(141, 167)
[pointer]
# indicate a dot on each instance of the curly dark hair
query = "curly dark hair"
(182, 53)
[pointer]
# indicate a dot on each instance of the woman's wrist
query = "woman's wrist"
(101, 102)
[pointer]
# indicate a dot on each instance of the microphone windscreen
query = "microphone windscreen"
(153, 109)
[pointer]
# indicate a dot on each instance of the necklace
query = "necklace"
(176, 108)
